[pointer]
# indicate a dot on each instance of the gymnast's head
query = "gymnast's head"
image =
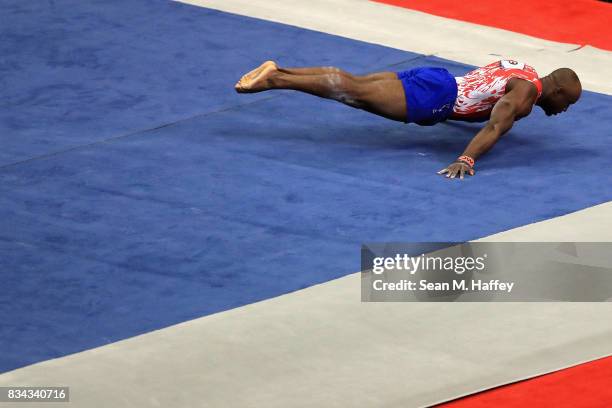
(560, 89)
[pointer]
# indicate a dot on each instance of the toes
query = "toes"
(241, 86)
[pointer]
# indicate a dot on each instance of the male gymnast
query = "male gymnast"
(501, 92)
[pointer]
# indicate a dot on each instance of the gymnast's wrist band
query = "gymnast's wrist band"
(467, 160)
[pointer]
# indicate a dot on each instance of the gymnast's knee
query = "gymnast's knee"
(347, 90)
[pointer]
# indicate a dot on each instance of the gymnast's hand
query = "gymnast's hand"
(457, 168)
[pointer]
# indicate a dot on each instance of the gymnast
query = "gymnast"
(500, 93)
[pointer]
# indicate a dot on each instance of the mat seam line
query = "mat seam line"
(134, 133)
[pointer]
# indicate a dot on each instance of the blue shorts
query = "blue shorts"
(430, 94)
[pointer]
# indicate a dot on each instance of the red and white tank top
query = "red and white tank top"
(479, 90)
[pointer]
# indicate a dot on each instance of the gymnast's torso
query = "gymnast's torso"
(479, 90)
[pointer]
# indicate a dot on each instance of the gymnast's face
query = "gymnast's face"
(561, 99)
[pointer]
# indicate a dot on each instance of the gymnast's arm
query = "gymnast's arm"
(515, 104)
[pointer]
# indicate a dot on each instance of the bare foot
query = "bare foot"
(255, 81)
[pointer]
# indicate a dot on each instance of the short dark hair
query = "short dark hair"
(565, 76)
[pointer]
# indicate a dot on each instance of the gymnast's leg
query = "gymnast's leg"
(333, 70)
(379, 93)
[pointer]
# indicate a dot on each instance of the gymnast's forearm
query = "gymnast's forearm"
(482, 142)
(502, 119)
